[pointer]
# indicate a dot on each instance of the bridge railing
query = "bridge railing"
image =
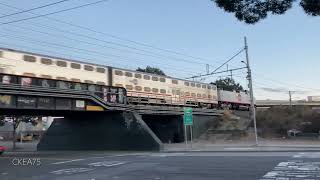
(107, 94)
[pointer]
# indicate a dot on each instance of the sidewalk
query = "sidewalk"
(243, 147)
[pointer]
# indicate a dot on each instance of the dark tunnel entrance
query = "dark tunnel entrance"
(168, 128)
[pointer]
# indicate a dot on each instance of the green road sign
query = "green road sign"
(187, 117)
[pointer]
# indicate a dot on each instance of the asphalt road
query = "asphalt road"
(160, 166)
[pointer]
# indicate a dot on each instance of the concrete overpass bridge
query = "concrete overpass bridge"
(99, 120)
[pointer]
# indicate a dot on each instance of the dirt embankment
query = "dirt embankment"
(277, 120)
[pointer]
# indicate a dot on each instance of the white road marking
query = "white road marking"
(106, 164)
(307, 155)
(239, 148)
(63, 162)
(169, 154)
(71, 171)
(297, 170)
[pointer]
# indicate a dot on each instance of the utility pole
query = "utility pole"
(252, 107)
(207, 68)
(290, 99)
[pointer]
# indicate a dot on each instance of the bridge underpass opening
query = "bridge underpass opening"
(168, 128)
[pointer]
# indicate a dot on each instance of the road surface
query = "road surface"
(161, 166)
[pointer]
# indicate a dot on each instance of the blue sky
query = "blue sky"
(284, 50)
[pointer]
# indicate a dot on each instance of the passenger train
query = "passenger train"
(142, 88)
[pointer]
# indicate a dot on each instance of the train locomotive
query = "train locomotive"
(141, 87)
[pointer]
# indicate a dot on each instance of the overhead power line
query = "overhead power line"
(104, 55)
(229, 60)
(235, 69)
(32, 9)
(55, 12)
(118, 37)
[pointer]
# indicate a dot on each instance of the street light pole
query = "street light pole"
(252, 107)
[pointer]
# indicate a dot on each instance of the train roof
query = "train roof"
(94, 64)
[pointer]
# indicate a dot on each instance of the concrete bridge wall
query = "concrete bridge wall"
(100, 131)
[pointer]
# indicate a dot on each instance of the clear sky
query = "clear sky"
(284, 50)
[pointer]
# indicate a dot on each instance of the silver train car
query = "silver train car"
(142, 88)
(234, 100)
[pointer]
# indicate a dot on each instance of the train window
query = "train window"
(61, 63)
(155, 78)
(46, 61)
(177, 92)
(162, 79)
(193, 84)
(209, 96)
(6, 79)
(186, 83)
(88, 81)
(63, 85)
(77, 86)
(214, 87)
(46, 83)
(187, 93)
(163, 91)
(29, 58)
(204, 86)
(101, 83)
(46, 76)
(155, 90)
(139, 76)
(198, 85)
(26, 81)
(146, 77)
(129, 87)
(62, 78)
(138, 88)
(88, 68)
(119, 73)
(29, 74)
(204, 96)
(174, 81)
(75, 80)
(193, 94)
(75, 66)
(147, 89)
(100, 70)
(209, 87)
(128, 74)
(92, 87)
(199, 95)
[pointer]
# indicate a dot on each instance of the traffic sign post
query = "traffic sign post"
(187, 121)
(187, 117)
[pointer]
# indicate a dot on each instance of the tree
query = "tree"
(252, 11)
(152, 70)
(228, 84)
(15, 123)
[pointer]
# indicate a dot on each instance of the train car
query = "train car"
(155, 89)
(142, 88)
(234, 100)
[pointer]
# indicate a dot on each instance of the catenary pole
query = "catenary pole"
(252, 106)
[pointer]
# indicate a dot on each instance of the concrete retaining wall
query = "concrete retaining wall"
(100, 131)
